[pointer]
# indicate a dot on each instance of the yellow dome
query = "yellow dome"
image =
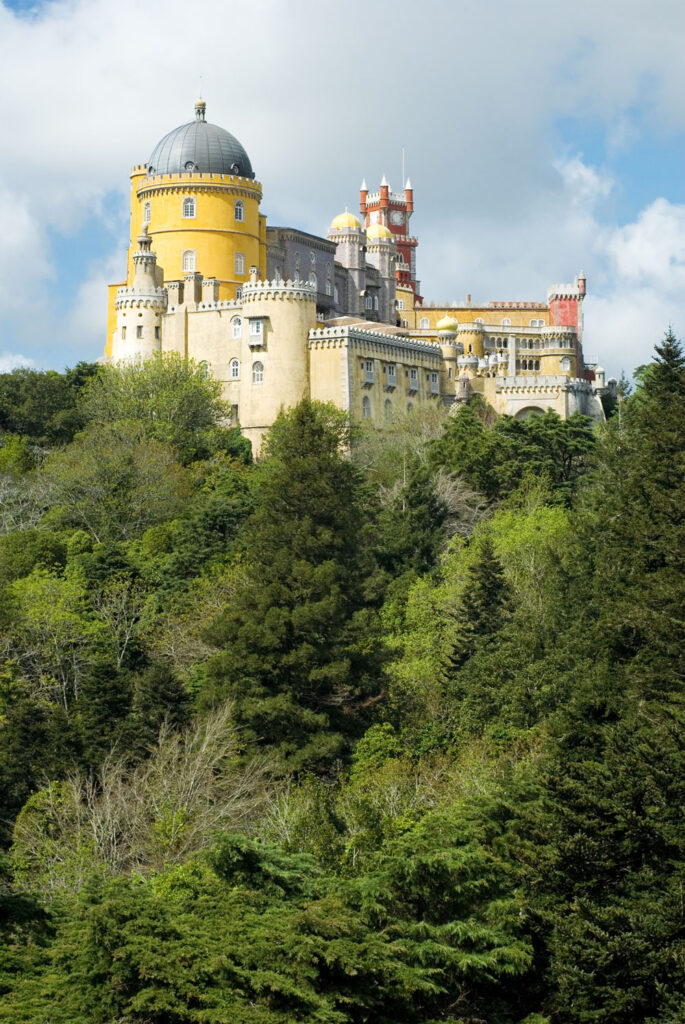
(448, 323)
(345, 220)
(378, 231)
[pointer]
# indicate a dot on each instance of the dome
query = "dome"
(345, 220)
(378, 231)
(199, 146)
(448, 324)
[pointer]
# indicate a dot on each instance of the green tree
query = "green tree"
(300, 652)
(41, 405)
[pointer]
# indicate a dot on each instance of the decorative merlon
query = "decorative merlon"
(278, 289)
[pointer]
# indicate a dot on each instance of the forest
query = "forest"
(384, 726)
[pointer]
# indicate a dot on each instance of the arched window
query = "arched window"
(506, 322)
(257, 373)
(236, 327)
(238, 293)
(239, 210)
(366, 407)
(566, 364)
(375, 302)
(387, 409)
(424, 323)
(329, 287)
(368, 302)
(188, 207)
(313, 279)
(478, 320)
(147, 213)
(204, 369)
(234, 369)
(189, 261)
(537, 364)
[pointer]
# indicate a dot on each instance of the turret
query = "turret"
(139, 308)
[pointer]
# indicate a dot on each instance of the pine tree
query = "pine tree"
(299, 651)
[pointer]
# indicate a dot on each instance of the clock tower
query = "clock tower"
(393, 210)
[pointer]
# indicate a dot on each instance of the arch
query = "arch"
(239, 210)
(189, 261)
(566, 363)
(506, 322)
(189, 206)
(257, 372)
(313, 279)
(387, 409)
(528, 411)
(147, 212)
(234, 369)
(236, 327)
(366, 407)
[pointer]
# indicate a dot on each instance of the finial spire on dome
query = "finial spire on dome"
(385, 182)
(200, 109)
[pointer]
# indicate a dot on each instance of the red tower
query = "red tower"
(394, 210)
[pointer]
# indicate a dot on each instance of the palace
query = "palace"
(278, 314)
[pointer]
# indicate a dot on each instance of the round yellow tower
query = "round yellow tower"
(199, 200)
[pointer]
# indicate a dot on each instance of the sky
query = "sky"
(541, 139)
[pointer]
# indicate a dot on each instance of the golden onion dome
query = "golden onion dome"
(448, 324)
(345, 220)
(378, 231)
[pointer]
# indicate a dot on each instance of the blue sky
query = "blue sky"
(540, 140)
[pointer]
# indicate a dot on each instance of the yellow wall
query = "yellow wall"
(111, 315)
(214, 234)
(468, 314)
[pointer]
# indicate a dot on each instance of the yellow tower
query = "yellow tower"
(199, 201)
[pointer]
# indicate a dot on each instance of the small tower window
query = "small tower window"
(156, 333)
(400, 303)
(147, 213)
(189, 261)
(239, 210)
(189, 206)
(123, 333)
(139, 331)
(424, 323)
(236, 327)
(366, 407)
(239, 263)
(257, 373)
(235, 369)
(238, 293)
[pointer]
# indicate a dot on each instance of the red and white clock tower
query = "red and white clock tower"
(393, 210)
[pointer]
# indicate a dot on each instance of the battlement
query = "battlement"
(279, 289)
(351, 333)
(127, 297)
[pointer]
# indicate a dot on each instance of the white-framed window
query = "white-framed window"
(189, 206)
(256, 328)
(566, 364)
(139, 331)
(537, 323)
(313, 279)
(391, 375)
(147, 213)
(367, 367)
(239, 263)
(479, 320)
(234, 369)
(257, 372)
(239, 210)
(188, 261)
(329, 287)
(435, 384)
(400, 303)
(366, 407)
(424, 323)
(238, 293)
(506, 322)
(236, 327)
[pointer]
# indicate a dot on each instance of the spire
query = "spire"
(385, 182)
(200, 110)
(362, 187)
(408, 185)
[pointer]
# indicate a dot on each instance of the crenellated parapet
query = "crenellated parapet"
(154, 298)
(254, 291)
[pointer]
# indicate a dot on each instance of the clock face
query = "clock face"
(396, 217)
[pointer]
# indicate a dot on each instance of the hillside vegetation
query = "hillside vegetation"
(385, 727)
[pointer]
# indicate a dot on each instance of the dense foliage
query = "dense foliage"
(384, 727)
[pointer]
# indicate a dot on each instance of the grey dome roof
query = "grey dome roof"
(199, 146)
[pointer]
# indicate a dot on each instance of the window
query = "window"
(147, 213)
(413, 379)
(336, 294)
(387, 409)
(239, 263)
(188, 207)
(537, 364)
(537, 323)
(239, 210)
(313, 279)
(424, 323)
(257, 373)
(405, 323)
(189, 261)
(391, 375)
(478, 320)
(375, 302)
(367, 366)
(234, 369)
(238, 293)
(236, 327)
(368, 302)
(434, 382)
(566, 364)
(400, 303)
(366, 407)
(123, 333)
(256, 328)
(506, 322)
(139, 331)
(329, 288)
(156, 333)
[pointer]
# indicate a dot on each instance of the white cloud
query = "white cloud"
(473, 92)
(12, 360)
